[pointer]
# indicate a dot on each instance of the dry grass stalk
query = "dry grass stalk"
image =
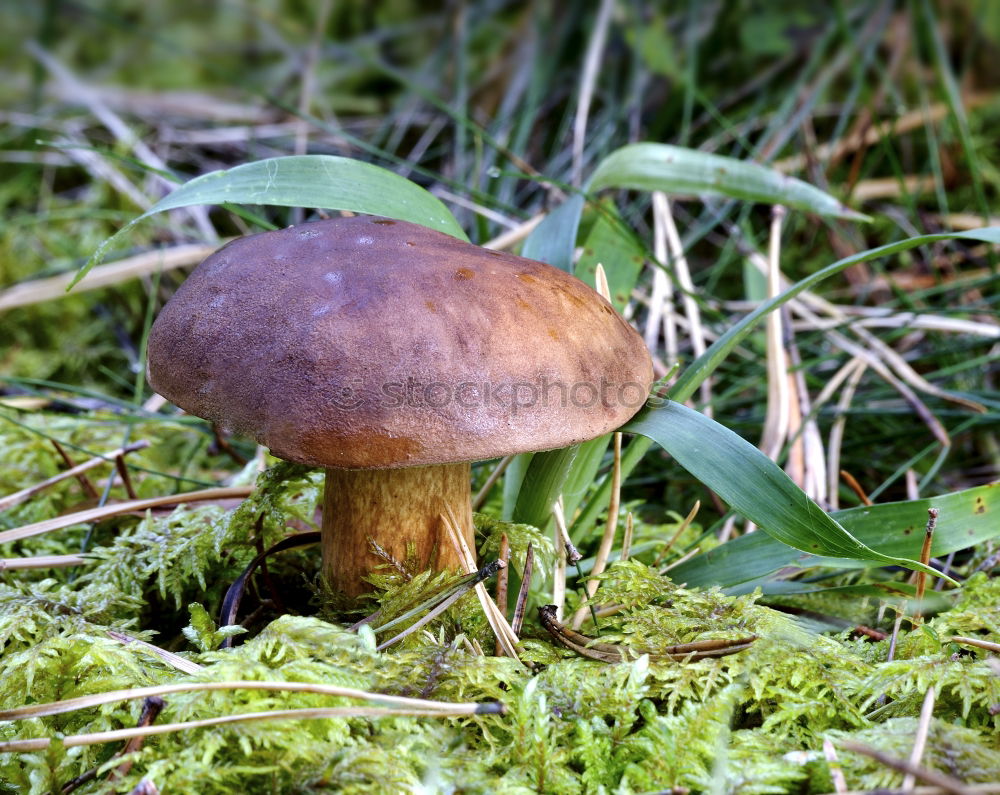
(173, 660)
(977, 789)
(839, 783)
(610, 530)
(795, 463)
(96, 738)
(463, 588)
(516, 235)
(112, 696)
(308, 72)
(498, 623)
(661, 301)
(42, 562)
(914, 120)
(562, 545)
(54, 287)
(899, 365)
(684, 525)
(588, 82)
(106, 511)
(852, 373)
(479, 209)
(867, 317)
(879, 356)
(892, 187)
(979, 643)
(627, 537)
(682, 559)
(920, 738)
(807, 443)
(123, 134)
(967, 221)
(776, 419)
(873, 359)
(522, 595)
(691, 310)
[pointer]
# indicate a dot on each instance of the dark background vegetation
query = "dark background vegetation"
(477, 101)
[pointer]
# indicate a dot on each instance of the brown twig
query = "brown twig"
(946, 782)
(84, 481)
(855, 487)
(234, 594)
(925, 556)
(126, 478)
(151, 708)
(223, 444)
(484, 492)
(76, 470)
(868, 632)
(684, 525)
(522, 595)
(610, 653)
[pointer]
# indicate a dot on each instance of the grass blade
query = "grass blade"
(753, 484)
(325, 181)
(542, 485)
(967, 518)
(679, 171)
(553, 240)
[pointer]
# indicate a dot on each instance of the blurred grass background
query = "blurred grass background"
(890, 106)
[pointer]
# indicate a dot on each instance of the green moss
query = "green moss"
(749, 723)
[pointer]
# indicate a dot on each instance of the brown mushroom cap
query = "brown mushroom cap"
(370, 343)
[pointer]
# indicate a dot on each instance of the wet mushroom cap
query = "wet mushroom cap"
(371, 343)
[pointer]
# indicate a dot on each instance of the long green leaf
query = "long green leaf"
(706, 364)
(752, 484)
(542, 485)
(325, 181)
(966, 518)
(676, 170)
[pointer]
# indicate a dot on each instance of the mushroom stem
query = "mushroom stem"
(399, 510)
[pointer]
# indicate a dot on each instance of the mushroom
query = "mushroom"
(392, 356)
